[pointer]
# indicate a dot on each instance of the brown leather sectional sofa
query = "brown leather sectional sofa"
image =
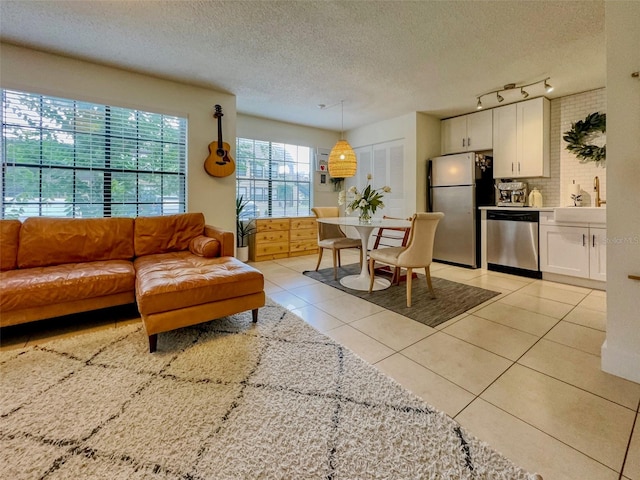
(178, 270)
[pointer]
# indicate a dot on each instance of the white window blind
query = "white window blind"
(274, 177)
(64, 157)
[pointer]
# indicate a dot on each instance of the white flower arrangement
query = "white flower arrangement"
(367, 201)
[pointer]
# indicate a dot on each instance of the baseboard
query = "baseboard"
(620, 363)
(577, 281)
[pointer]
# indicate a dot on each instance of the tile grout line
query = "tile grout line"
(626, 453)
(544, 433)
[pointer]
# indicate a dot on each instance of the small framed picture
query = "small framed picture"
(323, 179)
(322, 160)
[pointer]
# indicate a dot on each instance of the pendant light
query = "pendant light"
(342, 159)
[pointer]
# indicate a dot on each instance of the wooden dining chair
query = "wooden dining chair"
(417, 254)
(332, 237)
(392, 237)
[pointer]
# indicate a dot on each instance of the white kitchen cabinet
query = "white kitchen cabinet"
(598, 253)
(504, 141)
(467, 133)
(521, 136)
(576, 251)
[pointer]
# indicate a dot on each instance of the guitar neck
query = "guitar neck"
(220, 131)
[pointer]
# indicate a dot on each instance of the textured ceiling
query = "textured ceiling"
(283, 58)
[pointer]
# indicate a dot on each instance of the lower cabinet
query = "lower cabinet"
(283, 237)
(598, 253)
(573, 250)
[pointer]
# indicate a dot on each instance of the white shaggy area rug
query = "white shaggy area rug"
(224, 400)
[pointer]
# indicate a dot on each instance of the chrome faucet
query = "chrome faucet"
(596, 188)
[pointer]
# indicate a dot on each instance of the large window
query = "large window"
(70, 158)
(274, 177)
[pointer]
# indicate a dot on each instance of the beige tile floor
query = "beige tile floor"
(521, 371)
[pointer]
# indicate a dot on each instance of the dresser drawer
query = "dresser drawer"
(269, 225)
(303, 245)
(278, 236)
(303, 223)
(271, 249)
(297, 235)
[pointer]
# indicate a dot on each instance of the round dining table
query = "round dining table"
(361, 281)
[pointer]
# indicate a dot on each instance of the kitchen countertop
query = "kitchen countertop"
(519, 209)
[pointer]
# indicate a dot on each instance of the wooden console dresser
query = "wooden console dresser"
(283, 237)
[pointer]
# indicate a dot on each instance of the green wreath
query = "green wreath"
(581, 132)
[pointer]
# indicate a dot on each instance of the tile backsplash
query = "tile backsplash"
(564, 166)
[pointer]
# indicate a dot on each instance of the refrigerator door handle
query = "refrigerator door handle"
(429, 199)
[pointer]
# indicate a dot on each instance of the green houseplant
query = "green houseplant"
(244, 228)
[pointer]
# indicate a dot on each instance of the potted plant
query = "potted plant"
(244, 228)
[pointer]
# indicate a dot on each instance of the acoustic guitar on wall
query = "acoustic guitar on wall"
(219, 163)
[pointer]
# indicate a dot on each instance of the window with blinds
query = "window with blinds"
(69, 158)
(275, 178)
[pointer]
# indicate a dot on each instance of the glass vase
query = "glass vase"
(365, 217)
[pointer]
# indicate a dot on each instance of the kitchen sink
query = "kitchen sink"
(581, 214)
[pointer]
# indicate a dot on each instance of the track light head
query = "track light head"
(547, 88)
(499, 97)
(524, 93)
(479, 105)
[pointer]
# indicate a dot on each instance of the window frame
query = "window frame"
(118, 149)
(276, 177)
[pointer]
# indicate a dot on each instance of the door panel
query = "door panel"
(453, 170)
(455, 239)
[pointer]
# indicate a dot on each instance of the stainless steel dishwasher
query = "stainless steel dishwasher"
(512, 241)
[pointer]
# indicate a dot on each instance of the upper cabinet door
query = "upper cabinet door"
(521, 133)
(533, 138)
(504, 141)
(454, 135)
(480, 131)
(467, 133)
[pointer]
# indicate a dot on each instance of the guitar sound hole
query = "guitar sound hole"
(220, 152)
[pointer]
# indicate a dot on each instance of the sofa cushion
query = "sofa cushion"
(171, 233)
(177, 280)
(9, 236)
(205, 246)
(55, 241)
(34, 287)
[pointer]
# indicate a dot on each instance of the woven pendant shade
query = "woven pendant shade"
(342, 160)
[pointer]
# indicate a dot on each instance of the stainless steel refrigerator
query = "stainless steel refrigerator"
(457, 186)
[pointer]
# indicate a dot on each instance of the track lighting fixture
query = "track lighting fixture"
(512, 86)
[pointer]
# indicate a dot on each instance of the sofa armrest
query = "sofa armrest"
(225, 237)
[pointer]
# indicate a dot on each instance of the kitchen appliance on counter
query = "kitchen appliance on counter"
(512, 242)
(457, 185)
(512, 194)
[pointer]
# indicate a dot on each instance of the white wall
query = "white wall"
(258, 128)
(428, 138)
(421, 135)
(38, 72)
(621, 350)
